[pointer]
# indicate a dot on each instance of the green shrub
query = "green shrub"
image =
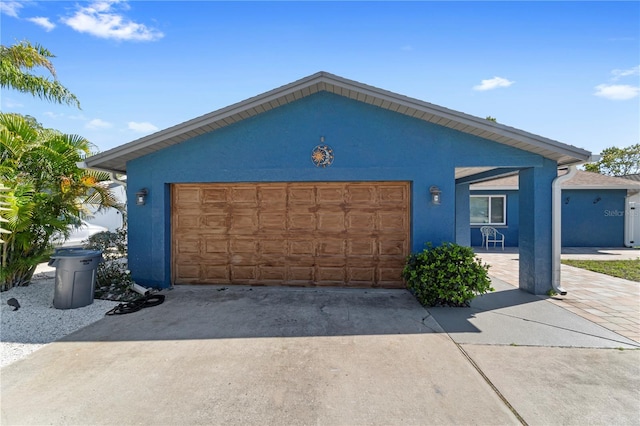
(448, 275)
(113, 279)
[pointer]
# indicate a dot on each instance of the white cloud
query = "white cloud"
(493, 83)
(618, 74)
(407, 48)
(102, 20)
(616, 92)
(52, 114)
(142, 127)
(10, 103)
(43, 22)
(97, 123)
(10, 8)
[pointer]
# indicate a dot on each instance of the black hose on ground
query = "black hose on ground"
(136, 305)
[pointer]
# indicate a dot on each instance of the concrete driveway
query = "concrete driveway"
(241, 355)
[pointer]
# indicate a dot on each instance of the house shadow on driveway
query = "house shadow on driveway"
(510, 316)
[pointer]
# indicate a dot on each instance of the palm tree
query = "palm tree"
(18, 60)
(47, 192)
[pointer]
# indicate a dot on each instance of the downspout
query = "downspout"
(556, 227)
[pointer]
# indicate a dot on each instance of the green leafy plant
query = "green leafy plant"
(113, 279)
(447, 275)
(44, 191)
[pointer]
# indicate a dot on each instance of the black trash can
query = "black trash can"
(75, 277)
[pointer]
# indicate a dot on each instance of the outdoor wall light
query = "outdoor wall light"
(435, 194)
(566, 200)
(597, 200)
(141, 196)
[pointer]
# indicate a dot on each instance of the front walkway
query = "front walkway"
(614, 303)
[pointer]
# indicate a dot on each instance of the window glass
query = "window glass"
(479, 207)
(488, 209)
(497, 210)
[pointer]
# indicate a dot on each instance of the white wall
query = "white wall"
(110, 218)
(632, 221)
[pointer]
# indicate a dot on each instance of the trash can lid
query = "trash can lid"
(74, 252)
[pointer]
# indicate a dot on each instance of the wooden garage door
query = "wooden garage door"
(344, 234)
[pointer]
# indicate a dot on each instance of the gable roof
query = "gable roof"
(581, 180)
(116, 159)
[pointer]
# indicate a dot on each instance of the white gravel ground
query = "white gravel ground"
(37, 322)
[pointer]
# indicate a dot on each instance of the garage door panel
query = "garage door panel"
(243, 245)
(215, 223)
(331, 275)
(214, 195)
(215, 274)
(186, 247)
(187, 273)
(303, 247)
(188, 196)
(332, 247)
(272, 273)
(360, 274)
(393, 194)
(244, 222)
(300, 274)
(246, 196)
(273, 197)
(392, 221)
(363, 246)
(330, 195)
(354, 234)
(361, 194)
(188, 221)
(273, 221)
(392, 247)
(361, 222)
(301, 196)
(301, 221)
(216, 245)
(276, 247)
(330, 222)
(244, 273)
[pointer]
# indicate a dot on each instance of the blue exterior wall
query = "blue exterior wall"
(463, 236)
(584, 223)
(534, 242)
(511, 229)
(369, 143)
(593, 218)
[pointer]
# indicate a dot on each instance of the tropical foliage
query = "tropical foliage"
(47, 191)
(43, 189)
(17, 63)
(616, 161)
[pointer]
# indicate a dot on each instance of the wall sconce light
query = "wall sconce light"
(141, 196)
(435, 194)
(566, 200)
(597, 200)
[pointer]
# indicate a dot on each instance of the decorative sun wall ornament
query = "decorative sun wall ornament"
(322, 156)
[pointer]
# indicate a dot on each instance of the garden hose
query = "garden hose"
(136, 305)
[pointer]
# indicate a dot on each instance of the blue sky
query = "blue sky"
(569, 71)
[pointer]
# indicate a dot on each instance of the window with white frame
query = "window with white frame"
(488, 209)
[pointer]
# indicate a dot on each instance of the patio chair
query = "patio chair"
(491, 235)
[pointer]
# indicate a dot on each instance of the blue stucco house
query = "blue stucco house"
(597, 210)
(325, 181)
